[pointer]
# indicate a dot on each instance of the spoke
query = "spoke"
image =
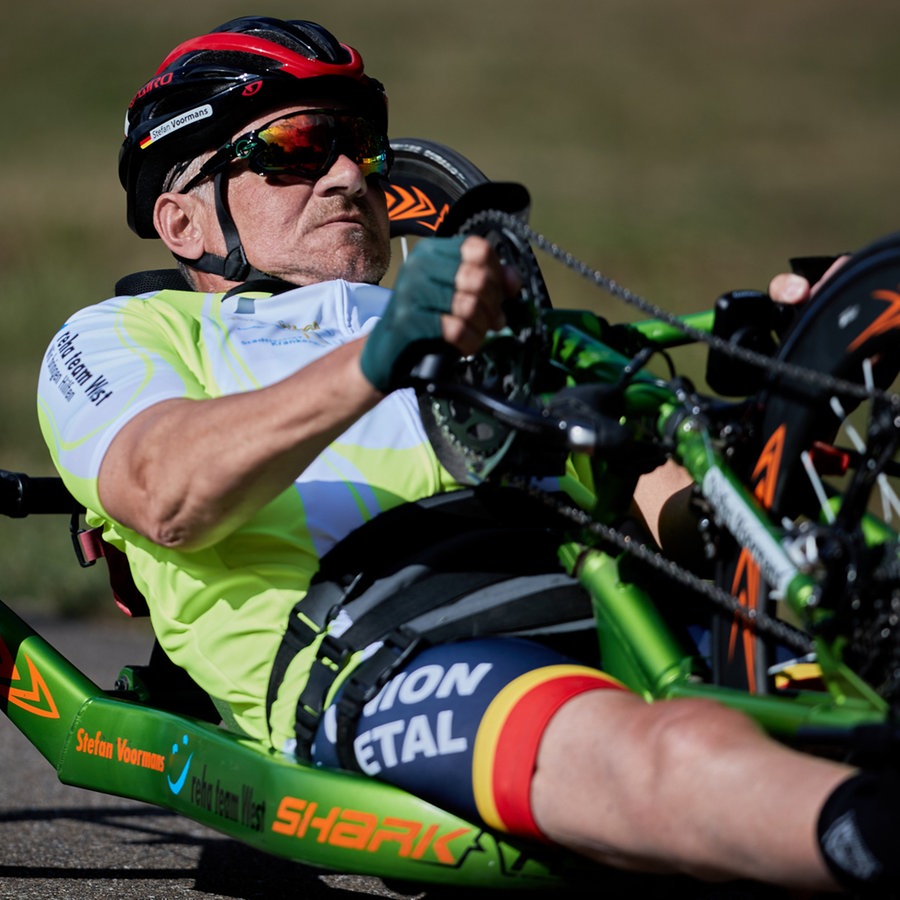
(868, 375)
(855, 438)
(890, 502)
(838, 409)
(817, 486)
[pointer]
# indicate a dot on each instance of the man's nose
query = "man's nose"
(344, 176)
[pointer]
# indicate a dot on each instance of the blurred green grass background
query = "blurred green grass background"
(683, 148)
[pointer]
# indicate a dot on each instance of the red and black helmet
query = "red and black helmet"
(207, 88)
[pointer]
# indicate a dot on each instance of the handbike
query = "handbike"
(788, 612)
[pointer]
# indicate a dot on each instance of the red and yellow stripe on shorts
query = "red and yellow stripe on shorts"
(506, 745)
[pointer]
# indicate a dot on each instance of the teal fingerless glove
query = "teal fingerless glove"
(411, 325)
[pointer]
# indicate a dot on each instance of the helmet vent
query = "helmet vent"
(306, 38)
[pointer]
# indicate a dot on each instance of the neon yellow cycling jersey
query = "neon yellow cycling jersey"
(220, 612)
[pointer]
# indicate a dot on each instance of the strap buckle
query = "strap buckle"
(364, 684)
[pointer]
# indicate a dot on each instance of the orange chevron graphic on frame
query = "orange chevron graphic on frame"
(29, 692)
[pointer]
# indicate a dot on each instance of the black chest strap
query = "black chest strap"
(463, 574)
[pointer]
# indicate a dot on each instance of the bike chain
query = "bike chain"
(757, 620)
(612, 287)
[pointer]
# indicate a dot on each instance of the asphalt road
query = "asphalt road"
(60, 841)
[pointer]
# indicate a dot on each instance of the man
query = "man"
(227, 435)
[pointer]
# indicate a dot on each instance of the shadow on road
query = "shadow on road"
(212, 866)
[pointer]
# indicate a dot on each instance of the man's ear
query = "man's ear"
(180, 220)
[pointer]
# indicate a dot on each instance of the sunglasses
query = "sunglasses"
(305, 144)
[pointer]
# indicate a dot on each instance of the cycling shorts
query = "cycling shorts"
(461, 723)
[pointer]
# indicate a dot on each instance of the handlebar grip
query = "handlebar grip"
(21, 495)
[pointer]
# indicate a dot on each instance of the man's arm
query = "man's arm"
(184, 473)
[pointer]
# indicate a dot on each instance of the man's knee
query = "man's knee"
(619, 722)
(682, 730)
(613, 770)
(615, 745)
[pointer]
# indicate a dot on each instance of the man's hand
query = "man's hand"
(450, 291)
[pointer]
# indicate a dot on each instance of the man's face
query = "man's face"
(310, 231)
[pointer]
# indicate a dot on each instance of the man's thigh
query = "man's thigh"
(461, 723)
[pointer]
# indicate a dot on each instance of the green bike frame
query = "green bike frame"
(636, 644)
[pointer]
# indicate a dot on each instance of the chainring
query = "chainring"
(470, 443)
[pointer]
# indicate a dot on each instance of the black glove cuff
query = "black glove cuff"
(858, 831)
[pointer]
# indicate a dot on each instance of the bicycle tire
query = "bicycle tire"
(855, 317)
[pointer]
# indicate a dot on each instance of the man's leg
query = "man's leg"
(685, 786)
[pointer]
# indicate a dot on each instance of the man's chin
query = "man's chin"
(366, 271)
(351, 263)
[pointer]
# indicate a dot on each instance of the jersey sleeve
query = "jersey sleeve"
(103, 367)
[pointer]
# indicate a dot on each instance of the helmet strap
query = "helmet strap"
(234, 266)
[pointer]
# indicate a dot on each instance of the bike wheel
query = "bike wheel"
(824, 454)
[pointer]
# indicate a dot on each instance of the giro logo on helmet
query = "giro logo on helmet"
(252, 88)
(159, 81)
